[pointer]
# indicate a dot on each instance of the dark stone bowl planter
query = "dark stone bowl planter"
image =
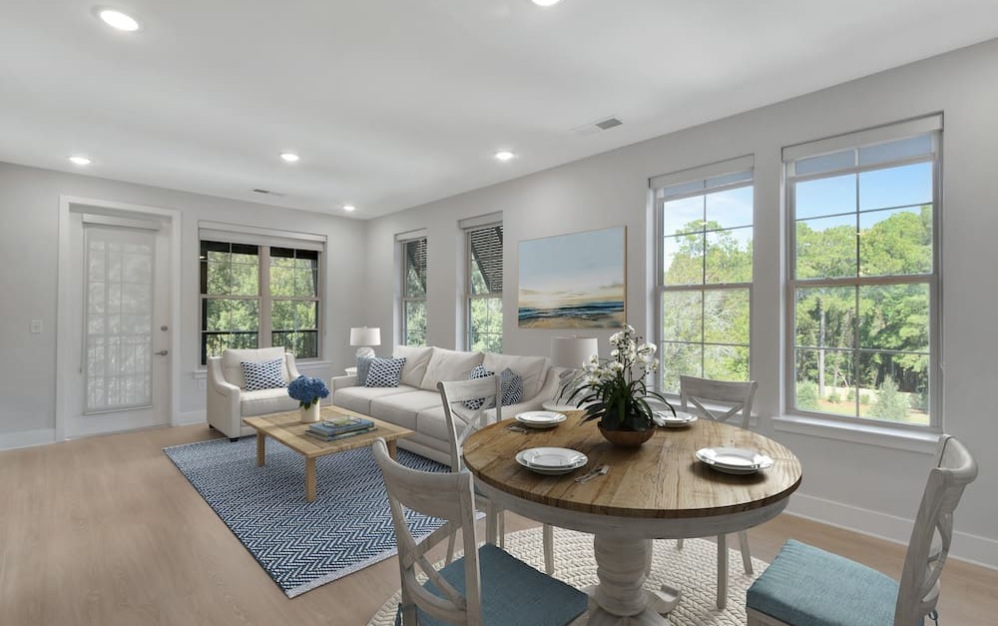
(627, 438)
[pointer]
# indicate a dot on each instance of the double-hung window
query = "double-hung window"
(864, 274)
(413, 301)
(259, 292)
(483, 289)
(705, 219)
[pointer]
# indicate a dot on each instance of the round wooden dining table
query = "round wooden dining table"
(657, 491)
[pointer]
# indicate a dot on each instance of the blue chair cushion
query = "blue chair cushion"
(806, 586)
(513, 592)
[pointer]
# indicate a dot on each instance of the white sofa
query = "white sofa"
(228, 402)
(415, 404)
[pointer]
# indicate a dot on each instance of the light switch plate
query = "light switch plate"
(36, 327)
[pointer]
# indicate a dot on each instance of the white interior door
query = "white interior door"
(124, 333)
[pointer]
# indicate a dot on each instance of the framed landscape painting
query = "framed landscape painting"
(574, 281)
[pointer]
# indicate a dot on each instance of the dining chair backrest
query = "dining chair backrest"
(928, 548)
(462, 421)
(736, 397)
(448, 496)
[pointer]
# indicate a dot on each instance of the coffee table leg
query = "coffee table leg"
(393, 448)
(310, 479)
(261, 449)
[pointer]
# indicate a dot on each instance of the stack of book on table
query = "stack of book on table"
(340, 428)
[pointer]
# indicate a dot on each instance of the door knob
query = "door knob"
(163, 352)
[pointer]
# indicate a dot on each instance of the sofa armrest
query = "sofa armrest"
(342, 382)
(293, 372)
(217, 382)
(223, 401)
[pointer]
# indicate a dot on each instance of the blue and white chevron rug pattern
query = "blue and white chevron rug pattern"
(301, 545)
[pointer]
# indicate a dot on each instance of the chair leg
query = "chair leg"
(548, 549)
(501, 527)
(679, 544)
(722, 571)
(746, 555)
(490, 523)
(233, 439)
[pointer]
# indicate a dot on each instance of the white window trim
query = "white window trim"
(314, 243)
(469, 296)
(913, 437)
(656, 184)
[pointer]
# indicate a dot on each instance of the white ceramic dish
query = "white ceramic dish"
(734, 460)
(681, 420)
(552, 461)
(540, 419)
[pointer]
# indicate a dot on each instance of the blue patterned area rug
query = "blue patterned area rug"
(301, 545)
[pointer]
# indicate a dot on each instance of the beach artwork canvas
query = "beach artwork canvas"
(574, 281)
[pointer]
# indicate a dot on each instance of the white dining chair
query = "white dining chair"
(485, 587)
(806, 585)
(486, 393)
(721, 401)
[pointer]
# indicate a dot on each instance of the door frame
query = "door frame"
(66, 322)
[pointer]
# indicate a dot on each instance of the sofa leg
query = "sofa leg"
(233, 439)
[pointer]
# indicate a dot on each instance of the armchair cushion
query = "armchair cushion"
(232, 363)
(265, 401)
(263, 374)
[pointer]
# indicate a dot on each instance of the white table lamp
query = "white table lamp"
(365, 338)
(570, 353)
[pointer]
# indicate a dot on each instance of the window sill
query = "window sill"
(923, 442)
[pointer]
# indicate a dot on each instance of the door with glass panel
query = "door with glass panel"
(124, 327)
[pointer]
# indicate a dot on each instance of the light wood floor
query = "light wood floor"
(106, 532)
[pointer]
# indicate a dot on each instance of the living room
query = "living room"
(88, 518)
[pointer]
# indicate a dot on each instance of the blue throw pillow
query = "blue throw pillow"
(384, 373)
(363, 368)
(263, 374)
(510, 386)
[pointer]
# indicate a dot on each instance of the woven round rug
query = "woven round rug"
(693, 569)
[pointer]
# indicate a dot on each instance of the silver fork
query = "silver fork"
(602, 470)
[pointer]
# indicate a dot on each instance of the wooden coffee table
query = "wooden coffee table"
(289, 430)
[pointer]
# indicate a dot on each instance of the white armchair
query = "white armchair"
(228, 402)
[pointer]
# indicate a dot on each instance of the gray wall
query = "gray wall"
(29, 208)
(871, 487)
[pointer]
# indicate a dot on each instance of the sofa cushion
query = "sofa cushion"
(402, 408)
(449, 365)
(385, 373)
(232, 361)
(359, 398)
(416, 359)
(433, 423)
(266, 401)
(263, 375)
(532, 369)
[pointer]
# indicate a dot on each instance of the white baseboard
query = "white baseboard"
(27, 438)
(191, 417)
(966, 547)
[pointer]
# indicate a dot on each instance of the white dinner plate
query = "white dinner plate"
(666, 419)
(541, 419)
(551, 460)
(734, 460)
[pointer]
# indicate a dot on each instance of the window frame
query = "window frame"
(264, 298)
(469, 293)
(718, 170)
(404, 298)
(933, 280)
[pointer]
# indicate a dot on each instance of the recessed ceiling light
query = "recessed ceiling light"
(290, 157)
(545, 3)
(118, 20)
(349, 207)
(79, 160)
(505, 155)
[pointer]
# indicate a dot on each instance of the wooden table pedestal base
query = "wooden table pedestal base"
(620, 599)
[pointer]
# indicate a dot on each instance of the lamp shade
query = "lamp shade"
(573, 352)
(365, 336)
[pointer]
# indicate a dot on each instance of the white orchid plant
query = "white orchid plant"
(614, 390)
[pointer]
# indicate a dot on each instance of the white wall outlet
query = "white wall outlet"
(36, 327)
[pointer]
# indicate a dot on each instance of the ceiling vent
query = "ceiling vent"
(268, 192)
(597, 127)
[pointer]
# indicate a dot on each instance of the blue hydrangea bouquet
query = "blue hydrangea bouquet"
(308, 391)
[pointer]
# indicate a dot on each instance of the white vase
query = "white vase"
(310, 415)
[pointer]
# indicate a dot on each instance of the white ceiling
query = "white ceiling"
(393, 103)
